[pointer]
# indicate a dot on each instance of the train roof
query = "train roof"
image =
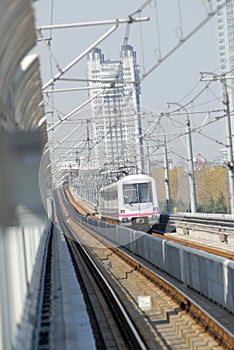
(135, 178)
(130, 179)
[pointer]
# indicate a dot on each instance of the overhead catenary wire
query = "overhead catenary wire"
(193, 130)
(185, 38)
(181, 29)
(145, 4)
(62, 71)
(83, 54)
(159, 50)
(49, 46)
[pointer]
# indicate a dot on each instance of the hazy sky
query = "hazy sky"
(176, 79)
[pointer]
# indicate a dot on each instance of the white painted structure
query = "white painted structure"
(115, 112)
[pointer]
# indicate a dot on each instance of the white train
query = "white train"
(130, 201)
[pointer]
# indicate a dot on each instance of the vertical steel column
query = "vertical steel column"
(190, 159)
(229, 144)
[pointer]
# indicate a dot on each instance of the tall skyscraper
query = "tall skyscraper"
(115, 111)
(225, 26)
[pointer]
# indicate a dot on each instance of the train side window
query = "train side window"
(144, 191)
(113, 195)
(130, 193)
(109, 195)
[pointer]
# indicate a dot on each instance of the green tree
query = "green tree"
(210, 205)
(212, 188)
(220, 205)
(178, 187)
(212, 192)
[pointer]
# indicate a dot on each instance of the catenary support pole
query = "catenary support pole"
(192, 189)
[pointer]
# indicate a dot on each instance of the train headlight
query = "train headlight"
(155, 208)
(122, 211)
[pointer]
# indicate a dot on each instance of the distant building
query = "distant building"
(225, 26)
(224, 155)
(116, 111)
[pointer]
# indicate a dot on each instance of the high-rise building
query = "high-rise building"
(225, 26)
(115, 111)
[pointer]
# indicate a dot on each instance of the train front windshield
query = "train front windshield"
(137, 193)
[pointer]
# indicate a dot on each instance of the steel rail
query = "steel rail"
(205, 248)
(40, 331)
(201, 217)
(200, 314)
(129, 330)
(83, 209)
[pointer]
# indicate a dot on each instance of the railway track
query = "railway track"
(80, 206)
(204, 246)
(185, 240)
(165, 317)
(112, 325)
(42, 331)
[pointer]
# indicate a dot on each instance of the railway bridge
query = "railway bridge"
(153, 293)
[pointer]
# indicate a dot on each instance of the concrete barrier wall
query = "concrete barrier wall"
(206, 273)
